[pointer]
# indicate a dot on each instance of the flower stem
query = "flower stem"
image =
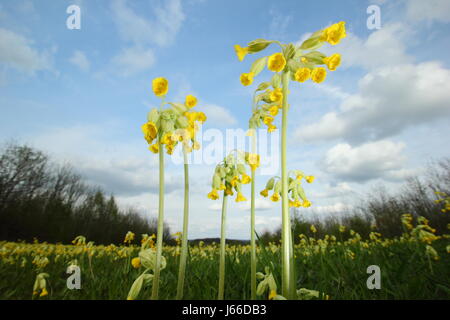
(160, 232)
(252, 226)
(222, 249)
(285, 218)
(184, 243)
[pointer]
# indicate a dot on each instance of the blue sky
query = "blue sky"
(81, 95)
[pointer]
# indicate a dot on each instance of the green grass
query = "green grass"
(406, 273)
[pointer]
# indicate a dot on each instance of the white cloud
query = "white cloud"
(216, 206)
(418, 10)
(260, 204)
(218, 115)
(80, 60)
(365, 162)
(338, 207)
(340, 189)
(278, 25)
(133, 60)
(126, 169)
(382, 48)
(167, 19)
(389, 100)
(17, 52)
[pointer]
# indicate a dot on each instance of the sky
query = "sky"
(81, 95)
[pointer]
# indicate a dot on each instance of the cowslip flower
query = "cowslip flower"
(241, 52)
(264, 193)
(268, 120)
(240, 197)
(273, 110)
(190, 101)
(271, 128)
(247, 78)
(154, 148)
(245, 179)
(309, 179)
(136, 263)
(334, 33)
(129, 237)
(302, 74)
(318, 75)
(213, 195)
(276, 95)
(333, 61)
(160, 86)
(253, 160)
(275, 197)
(276, 62)
(150, 131)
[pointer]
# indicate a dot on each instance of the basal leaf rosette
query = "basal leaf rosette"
(296, 193)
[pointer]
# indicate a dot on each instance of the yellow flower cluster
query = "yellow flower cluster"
(334, 33)
(231, 174)
(445, 199)
(247, 78)
(160, 86)
(172, 125)
(276, 62)
(295, 190)
(129, 237)
(266, 113)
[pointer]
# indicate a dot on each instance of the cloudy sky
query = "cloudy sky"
(82, 95)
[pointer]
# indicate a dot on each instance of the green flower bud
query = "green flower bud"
(182, 122)
(270, 183)
(216, 181)
(148, 259)
(277, 187)
(180, 108)
(153, 116)
(241, 169)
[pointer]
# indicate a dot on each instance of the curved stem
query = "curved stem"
(159, 238)
(285, 218)
(222, 250)
(184, 243)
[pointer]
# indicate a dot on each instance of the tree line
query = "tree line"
(51, 202)
(381, 211)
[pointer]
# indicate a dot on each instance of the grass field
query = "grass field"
(337, 269)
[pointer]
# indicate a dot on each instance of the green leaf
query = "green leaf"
(289, 51)
(263, 86)
(153, 115)
(312, 43)
(179, 107)
(276, 81)
(258, 65)
(258, 45)
(315, 56)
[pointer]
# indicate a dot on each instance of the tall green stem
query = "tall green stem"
(285, 218)
(222, 249)
(252, 226)
(184, 243)
(159, 238)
